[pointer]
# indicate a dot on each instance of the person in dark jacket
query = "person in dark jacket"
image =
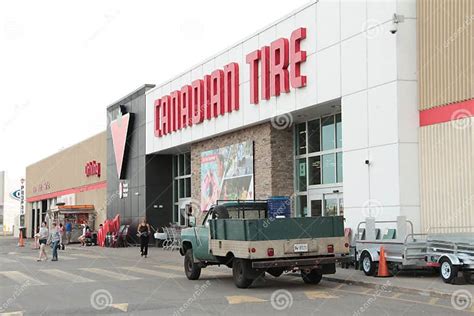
(144, 232)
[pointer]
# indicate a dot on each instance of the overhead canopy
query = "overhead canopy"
(69, 209)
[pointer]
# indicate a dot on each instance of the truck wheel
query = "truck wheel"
(192, 270)
(367, 265)
(240, 273)
(312, 277)
(448, 271)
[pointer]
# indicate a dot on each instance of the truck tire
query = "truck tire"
(240, 273)
(448, 271)
(191, 269)
(367, 265)
(312, 277)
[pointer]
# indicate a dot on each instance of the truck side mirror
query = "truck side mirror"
(191, 221)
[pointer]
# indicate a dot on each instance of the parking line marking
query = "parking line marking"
(151, 272)
(240, 299)
(74, 278)
(122, 307)
(20, 277)
(111, 274)
(181, 269)
(12, 314)
(313, 295)
(36, 257)
(86, 255)
(6, 260)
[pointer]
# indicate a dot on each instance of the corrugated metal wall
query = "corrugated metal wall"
(447, 174)
(445, 51)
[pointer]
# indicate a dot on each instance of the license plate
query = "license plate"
(300, 247)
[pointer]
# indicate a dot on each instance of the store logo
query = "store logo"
(92, 168)
(278, 66)
(119, 130)
(16, 195)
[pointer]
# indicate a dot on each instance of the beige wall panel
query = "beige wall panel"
(447, 176)
(445, 51)
(65, 170)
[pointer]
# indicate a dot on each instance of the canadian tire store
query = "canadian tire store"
(320, 106)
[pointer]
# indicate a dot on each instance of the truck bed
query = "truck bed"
(276, 228)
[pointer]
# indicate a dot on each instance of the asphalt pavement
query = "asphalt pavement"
(94, 280)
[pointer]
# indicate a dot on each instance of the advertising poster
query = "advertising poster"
(227, 174)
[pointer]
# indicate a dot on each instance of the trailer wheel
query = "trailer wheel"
(448, 271)
(367, 265)
(312, 277)
(240, 273)
(191, 269)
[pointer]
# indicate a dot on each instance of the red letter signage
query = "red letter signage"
(278, 64)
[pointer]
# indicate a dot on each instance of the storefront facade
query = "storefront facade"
(74, 176)
(446, 104)
(320, 106)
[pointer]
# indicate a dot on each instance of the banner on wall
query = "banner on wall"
(227, 174)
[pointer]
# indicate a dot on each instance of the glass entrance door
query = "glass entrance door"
(333, 204)
(324, 202)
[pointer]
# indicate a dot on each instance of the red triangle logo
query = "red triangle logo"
(119, 130)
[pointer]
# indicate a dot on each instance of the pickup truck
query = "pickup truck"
(241, 236)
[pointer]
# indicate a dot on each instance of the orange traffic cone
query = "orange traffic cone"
(383, 269)
(21, 242)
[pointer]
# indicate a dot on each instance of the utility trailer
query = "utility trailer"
(446, 252)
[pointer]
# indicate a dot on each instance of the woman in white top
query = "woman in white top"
(43, 239)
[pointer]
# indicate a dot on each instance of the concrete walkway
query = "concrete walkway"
(413, 282)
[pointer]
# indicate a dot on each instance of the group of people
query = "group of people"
(55, 238)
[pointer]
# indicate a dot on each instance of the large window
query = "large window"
(318, 152)
(181, 185)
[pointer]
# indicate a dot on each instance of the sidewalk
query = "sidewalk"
(411, 282)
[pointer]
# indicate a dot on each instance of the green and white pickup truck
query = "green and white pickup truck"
(242, 237)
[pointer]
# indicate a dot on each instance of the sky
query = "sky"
(63, 62)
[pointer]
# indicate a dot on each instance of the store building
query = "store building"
(138, 185)
(74, 176)
(446, 104)
(320, 106)
(12, 199)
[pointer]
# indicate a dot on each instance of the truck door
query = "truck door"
(202, 240)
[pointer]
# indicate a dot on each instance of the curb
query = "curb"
(406, 290)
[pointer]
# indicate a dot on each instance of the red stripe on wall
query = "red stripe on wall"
(447, 113)
(84, 188)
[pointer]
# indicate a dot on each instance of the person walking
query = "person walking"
(68, 232)
(42, 236)
(55, 240)
(61, 231)
(144, 232)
